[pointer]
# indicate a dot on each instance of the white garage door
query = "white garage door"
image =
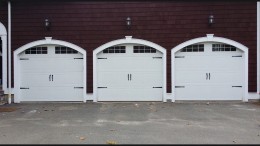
(209, 71)
(129, 73)
(51, 73)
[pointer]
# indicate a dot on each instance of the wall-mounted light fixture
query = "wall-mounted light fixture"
(211, 19)
(47, 24)
(128, 22)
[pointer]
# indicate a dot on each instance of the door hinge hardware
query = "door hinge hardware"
(24, 58)
(179, 86)
(157, 57)
(157, 87)
(238, 86)
(78, 87)
(179, 56)
(24, 88)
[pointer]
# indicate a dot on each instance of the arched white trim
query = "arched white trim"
(2, 29)
(211, 38)
(127, 40)
(47, 41)
(3, 35)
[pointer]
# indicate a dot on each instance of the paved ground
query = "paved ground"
(131, 123)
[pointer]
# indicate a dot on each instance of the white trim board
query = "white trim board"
(47, 41)
(3, 34)
(127, 40)
(211, 38)
(253, 95)
(258, 48)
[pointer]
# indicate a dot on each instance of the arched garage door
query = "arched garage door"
(49, 72)
(209, 71)
(130, 72)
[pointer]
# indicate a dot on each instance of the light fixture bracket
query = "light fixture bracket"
(128, 22)
(47, 24)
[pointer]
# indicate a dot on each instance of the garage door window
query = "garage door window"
(37, 50)
(144, 49)
(115, 49)
(222, 47)
(64, 50)
(194, 48)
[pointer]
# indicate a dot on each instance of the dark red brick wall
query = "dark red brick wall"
(90, 24)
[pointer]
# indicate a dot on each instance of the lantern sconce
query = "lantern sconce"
(211, 19)
(47, 24)
(128, 22)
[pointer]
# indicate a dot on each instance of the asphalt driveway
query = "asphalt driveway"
(130, 123)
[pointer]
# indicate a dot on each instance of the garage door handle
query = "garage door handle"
(209, 76)
(49, 77)
(52, 77)
(206, 76)
(128, 77)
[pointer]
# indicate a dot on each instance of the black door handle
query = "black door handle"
(49, 77)
(206, 76)
(209, 76)
(52, 77)
(128, 77)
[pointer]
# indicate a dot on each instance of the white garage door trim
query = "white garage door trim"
(47, 41)
(3, 34)
(211, 38)
(128, 39)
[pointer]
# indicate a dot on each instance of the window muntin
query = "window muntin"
(37, 50)
(144, 49)
(223, 47)
(115, 49)
(64, 50)
(193, 48)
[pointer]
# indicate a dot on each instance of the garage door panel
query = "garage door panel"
(66, 65)
(35, 79)
(113, 79)
(225, 63)
(51, 94)
(43, 79)
(54, 64)
(205, 92)
(145, 64)
(68, 78)
(134, 63)
(39, 65)
(228, 77)
(113, 64)
(130, 95)
(189, 63)
(146, 79)
(191, 76)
